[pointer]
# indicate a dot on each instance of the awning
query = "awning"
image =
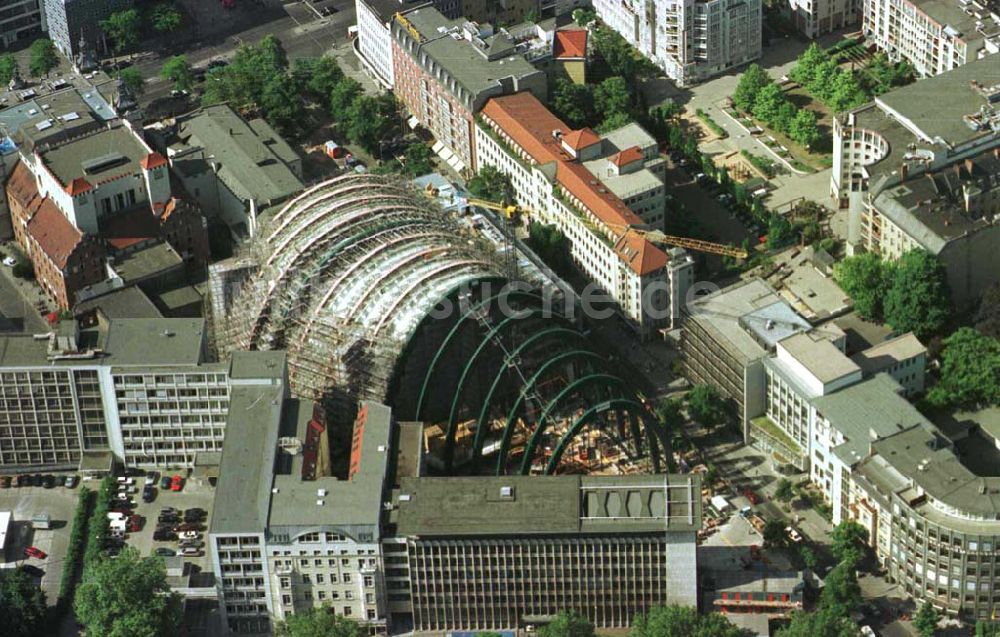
(413, 122)
(437, 147)
(456, 163)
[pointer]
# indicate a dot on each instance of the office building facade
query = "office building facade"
(73, 21)
(20, 20)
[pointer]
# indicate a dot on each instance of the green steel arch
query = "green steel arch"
(516, 407)
(605, 380)
(477, 446)
(449, 442)
(584, 418)
(451, 334)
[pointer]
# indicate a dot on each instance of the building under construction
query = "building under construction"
(379, 294)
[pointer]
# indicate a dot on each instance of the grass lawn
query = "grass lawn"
(797, 155)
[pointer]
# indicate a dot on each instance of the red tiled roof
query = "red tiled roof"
(21, 187)
(641, 255)
(526, 121)
(78, 186)
(627, 156)
(580, 139)
(570, 43)
(152, 160)
(54, 233)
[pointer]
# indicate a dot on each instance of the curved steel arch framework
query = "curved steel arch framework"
(585, 418)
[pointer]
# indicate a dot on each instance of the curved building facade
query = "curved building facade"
(379, 294)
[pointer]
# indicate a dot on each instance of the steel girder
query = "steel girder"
(481, 426)
(601, 380)
(585, 418)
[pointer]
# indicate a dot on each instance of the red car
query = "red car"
(36, 553)
(135, 523)
(176, 483)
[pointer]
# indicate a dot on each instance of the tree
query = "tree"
(22, 604)
(127, 597)
(803, 128)
(583, 17)
(807, 63)
(614, 121)
(122, 28)
(865, 278)
(926, 619)
(342, 96)
(918, 299)
(166, 18)
(419, 160)
(970, 371)
(841, 591)
(751, 82)
(24, 268)
(274, 52)
(786, 113)
(567, 624)
(848, 541)
(768, 101)
(133, 81)
(371, 119)
(820, 623)
(574, 103)
(779, 232)
(490, 184)
(845, 93)
(319, 622)
(822, 79)
(774, 533)
(612, 96)
(8, 68)
(705, 405)
(783, 491)
(282, 105)
(318, 76)
(808, 557)
(178, 70)
(682, 621)
(550, 244)
(669, 412)
(43, 57)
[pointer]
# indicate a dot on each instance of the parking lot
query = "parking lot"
(58, 503)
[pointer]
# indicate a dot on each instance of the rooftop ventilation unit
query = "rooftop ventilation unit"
(103, 162)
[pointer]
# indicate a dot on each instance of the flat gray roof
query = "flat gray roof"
(124, 303)
(887, 353)
(147, 262)
(547, 505)
(256, 365)
(68, 112)
(66, 161)
(628, 136)
(818, 355)
(153, 342)
(252, 158)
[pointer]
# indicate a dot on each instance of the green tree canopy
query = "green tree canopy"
(22, 604)
(43, 57)
(127, 597)
(567, 624)
(926, 619)
(669, 412)
(783, 491)
(372, 119)
(705, 405)
(133, 81)
(8, 68)
(768, 102)
(317, 76)
(803, 128)
(419, 159)
(613, 96)
(841, 591)
(614, 121)
(166, 18)
(342, 96)
(751, 82)
(918, 300)
(682, 621)
(774, 533)
(319, 622)
(490, 184)
(780, 232)
(845, 92)
(282, 106)
(178, 70)
(808, 557)
(805, 66)
(574, 103)
(122, 28)
(583, 17)
(820, 623)
(822, 79)
(970, 371)
(848, 541)
(865, 278)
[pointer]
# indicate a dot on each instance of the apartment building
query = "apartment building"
(904, 358)
(913, 180)
(593, 189)
(814, 18)
(138, 391)
(691, 40)
(73, 21)
(446, 70)
(21, 20)
(933, 36)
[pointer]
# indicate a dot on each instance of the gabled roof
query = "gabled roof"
(153, 160)
(78, 186)
(580, 139)
(641, 255)
(53, 232)
(627, 156)
(570, 43)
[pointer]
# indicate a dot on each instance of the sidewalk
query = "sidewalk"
(20, 299)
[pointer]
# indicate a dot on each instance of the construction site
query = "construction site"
(377, 292)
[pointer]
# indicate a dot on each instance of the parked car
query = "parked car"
(125, 480)
(36, 480)
(190, 552)
(164, 552)
(197, 544)
(176, 483)
(165, 482)
(16, 481)
(188, 535)
(194, 515)
(151, 478)
(32, 570)
(48, 481)
(163, 535)
(10, 262)
(148, 493)
(71, 481)
(793, 535)
(188, 526)
(135, 523)
(170, 509)
(35, 552)
(4, 482)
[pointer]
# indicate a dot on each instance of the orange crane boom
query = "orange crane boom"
(655, 236)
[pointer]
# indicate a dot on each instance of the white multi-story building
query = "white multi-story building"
(559, 175)
(934, 36)
(816, 17)
(691, 40)
(373, 45)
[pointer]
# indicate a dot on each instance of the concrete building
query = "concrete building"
(138, 391)
(233, 168)
(934, 36)
(691, 40)
(911, 180)
(753, 591)
(728, 334)
(904, 358)
(446, 70)
(21, 20)
(593, 189)
(70, 21)
(385, 546)
(814, 18)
